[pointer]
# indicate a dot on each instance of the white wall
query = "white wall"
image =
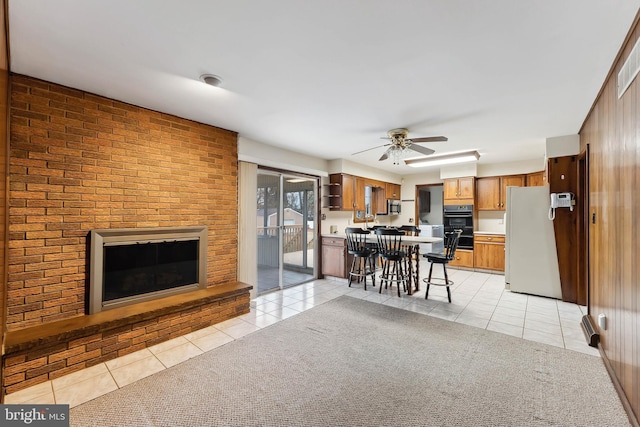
(512, 168)
(408, 195)
(490, 221)
(559, 146)
(358, 169)
(268, 155)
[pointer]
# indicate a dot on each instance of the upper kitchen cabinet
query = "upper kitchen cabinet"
(380, 196)
(341, 192)
(392, 191)
(459, 191)
(492, 191)
(535, 179)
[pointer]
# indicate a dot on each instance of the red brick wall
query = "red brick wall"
(80, 161)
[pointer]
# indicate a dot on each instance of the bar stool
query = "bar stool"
(450, 244)
(364, 255)
(394, 257)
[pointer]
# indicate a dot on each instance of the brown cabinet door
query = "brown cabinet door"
(341, 193)
(459, 191)
(509, 181)
(333, 258)
(380, 197)
(488, 256)
(462, 258)
(450, 189)
(348, 192)
(392, 191)
(466, 187)
(358, 202)
(535, 179)
(488, 193)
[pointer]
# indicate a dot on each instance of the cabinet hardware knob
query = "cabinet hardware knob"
(489, 238)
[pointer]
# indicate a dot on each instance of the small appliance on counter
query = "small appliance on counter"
(394, 207)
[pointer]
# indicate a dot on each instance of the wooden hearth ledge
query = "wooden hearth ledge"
(82, 326)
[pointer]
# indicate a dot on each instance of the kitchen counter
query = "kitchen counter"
(496, 233)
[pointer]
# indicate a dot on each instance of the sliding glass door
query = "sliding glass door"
(286, 229)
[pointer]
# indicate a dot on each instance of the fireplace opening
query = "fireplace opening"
(134, 265)
(148, 267)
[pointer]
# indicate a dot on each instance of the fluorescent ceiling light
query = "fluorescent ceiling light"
(444, 159)
(295, 180)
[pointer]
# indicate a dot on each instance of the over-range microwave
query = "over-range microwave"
(393, 207)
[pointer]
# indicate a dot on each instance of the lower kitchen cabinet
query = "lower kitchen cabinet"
(488, 251)
(462, 258)
(334, 257)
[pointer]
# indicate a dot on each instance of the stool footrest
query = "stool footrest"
(438, 281)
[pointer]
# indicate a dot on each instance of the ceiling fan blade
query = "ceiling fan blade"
(368, 149)
(385, 156)
(422, 150)
(429, 139)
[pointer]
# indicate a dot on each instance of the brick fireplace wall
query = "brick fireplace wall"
(79, 161)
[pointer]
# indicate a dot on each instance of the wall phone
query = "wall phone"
(561, 200)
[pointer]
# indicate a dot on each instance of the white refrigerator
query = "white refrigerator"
(531, 261)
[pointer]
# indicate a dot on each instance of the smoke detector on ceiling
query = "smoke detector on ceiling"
(211, 79)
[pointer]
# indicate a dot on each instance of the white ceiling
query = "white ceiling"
(329, 78)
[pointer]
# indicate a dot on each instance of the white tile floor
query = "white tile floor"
(478, 299)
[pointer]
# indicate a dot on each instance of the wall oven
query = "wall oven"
(460, 217)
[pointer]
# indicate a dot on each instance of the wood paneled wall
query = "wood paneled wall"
(562, 176)
(612, 131)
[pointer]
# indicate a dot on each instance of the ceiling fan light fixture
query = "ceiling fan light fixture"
(444, 159)
(211, 79)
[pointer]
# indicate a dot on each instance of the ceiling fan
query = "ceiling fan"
(400, 144)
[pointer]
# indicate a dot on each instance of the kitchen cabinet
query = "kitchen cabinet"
(366, 197)
(392, 191)
(462, 258)
(341, 195)
(535, 179)
(488, 251)
(360, 193)
(380, 196)
(492, 191)
(459, 191)
(334, 259)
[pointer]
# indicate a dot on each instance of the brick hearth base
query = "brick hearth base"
(38, 354)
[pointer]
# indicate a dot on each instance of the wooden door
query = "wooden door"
(488, 252)
(392, 191)
(488, 190)
(380, 204)
(466, 187)
(509, 181)
(348, 192)
(450, 189)
(333, 257)
(535, 179)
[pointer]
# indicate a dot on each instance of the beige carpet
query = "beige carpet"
(349, 362)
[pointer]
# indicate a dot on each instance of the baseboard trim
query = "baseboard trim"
(633, 419)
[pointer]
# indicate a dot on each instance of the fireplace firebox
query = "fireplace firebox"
(130, 265)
